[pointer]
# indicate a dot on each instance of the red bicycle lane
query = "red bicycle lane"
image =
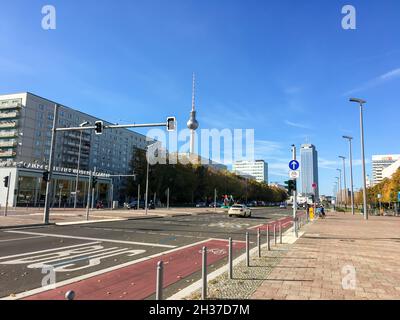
(138, 281)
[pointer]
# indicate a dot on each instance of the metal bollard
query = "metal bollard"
(247, 250)
(70, 295)
(280, 233)
(204, 274)
(259, 242)
(159, 283)
(275, 234)
(230, 268)
(268, 243)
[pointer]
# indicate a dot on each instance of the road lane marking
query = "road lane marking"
(47, 250)
(96, 273)
(24, 238)
(95, 239)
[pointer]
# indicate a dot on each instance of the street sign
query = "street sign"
(294, 165)
(314, 185)
(294, 174)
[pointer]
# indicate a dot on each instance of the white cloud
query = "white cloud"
(388, 76)
(296, 125)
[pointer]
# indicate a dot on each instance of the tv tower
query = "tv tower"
(192, 124)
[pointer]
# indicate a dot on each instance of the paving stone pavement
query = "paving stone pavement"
(340, 257)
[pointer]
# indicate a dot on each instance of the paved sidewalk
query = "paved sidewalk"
(323, 260)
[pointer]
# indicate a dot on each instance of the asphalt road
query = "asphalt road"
(117, 260)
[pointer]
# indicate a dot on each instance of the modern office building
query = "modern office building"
(309, 170)
(388, 172)
(26, 121)
(257, 169)
(379, 163)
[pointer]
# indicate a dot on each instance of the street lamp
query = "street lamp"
(344, 179)
(337, 191)
(351, 173)
(361, 103)
(340, 185)
(147, 176)
(79, 160)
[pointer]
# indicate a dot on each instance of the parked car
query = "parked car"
(219, 205)
(201, 205)
(239, 210)
(142, 205)
(283, 206)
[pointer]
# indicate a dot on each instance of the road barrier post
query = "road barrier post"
(259, 242)
(159, 283)
(247, 250)
(204, 274)
(268, 240)
(275, 234)
(280, 232)
(230, 258)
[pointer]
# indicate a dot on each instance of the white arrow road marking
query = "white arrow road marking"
(93, 239)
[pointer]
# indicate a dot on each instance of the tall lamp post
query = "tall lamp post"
(147, 176)
(351, 172)
(361, 103)
(340, 186)
(337, 191)
(344, 180)
(79, 161)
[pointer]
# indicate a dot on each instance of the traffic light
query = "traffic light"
(5, 182)
(94, 182)
(290, 186)
(171, 124)
(46, 176)
(99, 126)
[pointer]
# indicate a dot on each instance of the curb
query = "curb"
(28, 226)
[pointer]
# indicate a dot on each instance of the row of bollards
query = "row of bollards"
(160, 265)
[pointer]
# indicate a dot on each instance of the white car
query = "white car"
(239, 210)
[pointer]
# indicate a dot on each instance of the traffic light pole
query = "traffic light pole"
(88, 195)
(294, 197)
(8, 193)
(50, 169)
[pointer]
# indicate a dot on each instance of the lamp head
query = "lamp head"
(360, 101)
(348, 137)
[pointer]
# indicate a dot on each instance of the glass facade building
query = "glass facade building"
(309, 170)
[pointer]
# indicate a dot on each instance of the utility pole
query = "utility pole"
(344, 180)
(138, 197)
(168, 198)
(351, 172)
(46, 213)
(340, 186)
(294, 196)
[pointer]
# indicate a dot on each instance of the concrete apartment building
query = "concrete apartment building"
(257, 169)
(381, 162)
(26, 121)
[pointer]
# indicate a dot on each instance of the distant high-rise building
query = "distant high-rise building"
(380, 162)
(309, 169)
(257, 169)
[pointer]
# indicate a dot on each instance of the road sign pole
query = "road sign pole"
(204, 274)
(230, 258)
(294, 197)
(247, 250)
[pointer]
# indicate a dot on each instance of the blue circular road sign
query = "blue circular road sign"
(294, 165)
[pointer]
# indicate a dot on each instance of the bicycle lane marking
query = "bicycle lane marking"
(137, 281)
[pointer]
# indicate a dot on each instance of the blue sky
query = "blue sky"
(285, 68)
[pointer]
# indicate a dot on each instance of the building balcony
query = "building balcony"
(10, 106)
(7, 154)
(8, 124)
(9, 115)
(8, 144)
(8, 134)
